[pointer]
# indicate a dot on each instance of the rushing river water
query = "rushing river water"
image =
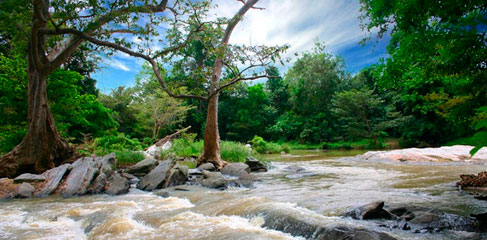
(337, 183)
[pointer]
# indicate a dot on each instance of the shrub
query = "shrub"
(117, 142)
(127, 156)
(234, 151)
(262, 146)
(10, 136)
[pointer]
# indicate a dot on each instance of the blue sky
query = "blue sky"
(297, 23)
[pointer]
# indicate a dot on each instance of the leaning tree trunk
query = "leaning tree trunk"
(211, 151)
(42, 147)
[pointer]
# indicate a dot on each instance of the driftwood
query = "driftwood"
(170, 137)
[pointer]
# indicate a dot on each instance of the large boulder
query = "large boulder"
(156, 178)
(457, 153)
(214, 180)
(374, 210)
(236, 169)
(415, 218)
(297, 223)
(24, 190)
(117, 184)
(143, 167)
(79, 179)
(422, 219)
(177, 176)
(256, 165)
(107, 165)
(156, 150)
(28, 177)
(53, 178)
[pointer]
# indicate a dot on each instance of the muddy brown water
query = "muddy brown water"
(337, 183)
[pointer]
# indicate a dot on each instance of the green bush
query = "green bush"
(113, 143)
(185, 146)
(234, 151)
(262, 146)
(127, 156)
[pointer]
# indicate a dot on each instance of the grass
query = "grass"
(230, 151)
(128, 157)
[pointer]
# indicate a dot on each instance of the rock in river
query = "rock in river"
(236, 169)
(117, 184)
(156, 178)
(143, 167)
(24, 190)
(28, 177)
(53, 178)
(80, 177)
(255, 165)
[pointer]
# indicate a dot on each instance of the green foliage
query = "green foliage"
(115, 143)
(127, 156)
(437, 64)
(480, 136)
(262, 146)
(186, 146)
(10, 136)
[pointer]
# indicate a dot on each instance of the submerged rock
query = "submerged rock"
(298, 224)
(256, 165)
(414, 218)
(53, 178)
(24, 190)
(143, 167)
(372, 210)
(28, 177)
(156, 178)
(294, 169)
(80, 177)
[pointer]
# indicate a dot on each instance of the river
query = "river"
(337, 183)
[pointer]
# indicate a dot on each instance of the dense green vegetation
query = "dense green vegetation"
(431, 90)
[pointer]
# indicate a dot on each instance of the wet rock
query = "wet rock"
(300, 175)
(208, 174)
(117, 184)
(108, 163)
(24, 190)
(177, 176)
(80, 177)
(143, 167)
(28, 177)
(421, 219)
(217, 183)
(53, 178)
(195, 172)
(297, 224)
(128, 176)
(162, 194)
(157, 177)
(294, 169)
(470, 180)
(207, 167)
(256, 165)
(372, 210)
(236, 169)
(98, 185)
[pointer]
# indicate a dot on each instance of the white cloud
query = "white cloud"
(117, 64)
(297, 23)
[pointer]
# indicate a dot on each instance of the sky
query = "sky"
(296, 23)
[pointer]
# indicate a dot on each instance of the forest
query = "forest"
(431, 90)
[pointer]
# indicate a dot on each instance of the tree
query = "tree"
(313, 80)
(363, 113)
(200, 67)
(56, 29)
(279, 90)
(436, 64)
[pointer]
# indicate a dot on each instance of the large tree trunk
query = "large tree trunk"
(211, 151)
(42, 147)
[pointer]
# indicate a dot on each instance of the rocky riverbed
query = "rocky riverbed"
(303, 195)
